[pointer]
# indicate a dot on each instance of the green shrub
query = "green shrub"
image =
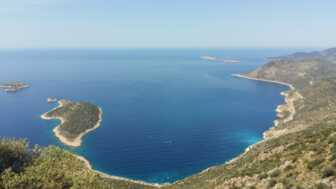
(328, 172)
(271, 183)
(321, 186)
(262, 176)
(314, 163)
(275, 173)
(13, 154)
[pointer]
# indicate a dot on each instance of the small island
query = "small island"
(51, 100)
(77, 119)
(216, 59)
(13, 86)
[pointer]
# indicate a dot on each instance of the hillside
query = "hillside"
(49, 168)
(299, 69)
(300, 152)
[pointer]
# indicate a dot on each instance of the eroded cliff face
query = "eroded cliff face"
(285, 113)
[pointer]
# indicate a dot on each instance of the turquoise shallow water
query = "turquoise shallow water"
(167, 113)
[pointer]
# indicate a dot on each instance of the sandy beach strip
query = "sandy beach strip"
(264, 80)
(78, 140)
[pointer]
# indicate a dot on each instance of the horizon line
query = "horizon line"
(158, 48)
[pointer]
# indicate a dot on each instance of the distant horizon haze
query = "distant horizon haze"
(167, 24)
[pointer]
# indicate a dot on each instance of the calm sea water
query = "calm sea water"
(167, 113)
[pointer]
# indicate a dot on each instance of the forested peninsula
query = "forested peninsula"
(77, 119)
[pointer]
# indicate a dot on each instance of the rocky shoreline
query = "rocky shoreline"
(288, 106)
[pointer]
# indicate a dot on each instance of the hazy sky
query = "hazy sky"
(167, 23)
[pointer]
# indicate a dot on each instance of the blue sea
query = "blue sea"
(167, 114)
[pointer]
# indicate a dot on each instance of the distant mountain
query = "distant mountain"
(326, 55)
(299, 69)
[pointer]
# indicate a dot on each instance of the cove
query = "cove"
(168, 113)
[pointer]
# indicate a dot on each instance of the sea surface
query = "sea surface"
(167, 114)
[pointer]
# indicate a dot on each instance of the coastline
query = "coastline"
(264, 80)
(159, 185)
(288, 105)
(105, 175)
(287, 102)
(268, 133)
(78, 140)
(77, 143)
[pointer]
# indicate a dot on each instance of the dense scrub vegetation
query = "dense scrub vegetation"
(49, 168)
